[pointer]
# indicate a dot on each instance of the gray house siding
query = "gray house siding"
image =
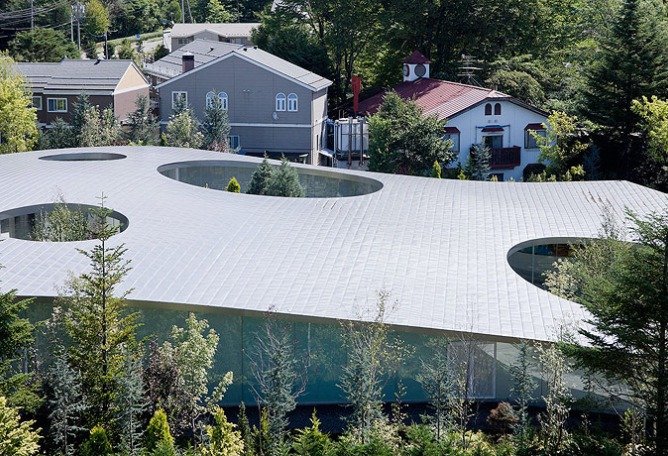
(251, 92)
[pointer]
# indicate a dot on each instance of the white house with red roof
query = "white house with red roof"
(474, 115)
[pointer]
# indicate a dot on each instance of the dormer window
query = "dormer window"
(293, 102)
(497, 109)
(488, 109)
(280, 101)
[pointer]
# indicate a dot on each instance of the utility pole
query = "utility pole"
(32, 15)
(78, 11)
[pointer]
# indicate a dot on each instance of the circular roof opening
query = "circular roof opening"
(84, 156)
(317, 183)
(532, 259)
(55, 222)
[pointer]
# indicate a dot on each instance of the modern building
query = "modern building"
(475, 115)
(56, 86)
(232, 32)
(273, 106)
(445, 251)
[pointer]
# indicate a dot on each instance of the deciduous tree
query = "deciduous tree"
(18, 121)
(17, 438)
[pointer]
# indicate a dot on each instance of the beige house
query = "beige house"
(235, 33)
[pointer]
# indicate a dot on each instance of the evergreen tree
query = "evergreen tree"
(624, 287)
(284, 181)
(183, 130)
(372, 357)
(142, 123)
(279, 377)
(67, 405)
(523, 388)
(245, 430)
(61, 224)
(59, 136)
(99, 329)
(478, 165)
(224, 440)
(157, 432)
(17, 438)
(16, 335)
(233, 186)
(111, 133)
(403, 140)
(131, 404)
(81, 106)
(436, 170)
(91, 127)
(42, 45)
(312, 441)
(216, 126)
(18, 121)
(436, 378)
(633, 64)
(97, 443)
(557, 400)
(260, 178)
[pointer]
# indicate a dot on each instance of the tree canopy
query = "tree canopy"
(18, 121)
(403, 140)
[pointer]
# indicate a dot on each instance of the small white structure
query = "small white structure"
(233, 32)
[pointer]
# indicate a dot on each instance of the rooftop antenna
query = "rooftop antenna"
(467, 70)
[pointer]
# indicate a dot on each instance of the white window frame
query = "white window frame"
(181, 93)
(209, 99)
(224, 100)
(56, 102)
(293, 102)
(281, 101)
(454, 137)
(37, 106)
(232, 139)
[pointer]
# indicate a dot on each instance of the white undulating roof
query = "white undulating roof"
(438, 246)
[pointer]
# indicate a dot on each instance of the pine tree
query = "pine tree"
(67, 405)
(478, 165)
(233, 186)
(284, 181)
(142, 123)
(97, 443)
(633, 64)
(224, 440)
(131, 404)
(279, 377)
(81, 106)
(260, 178)
(312, 441)
(59, 136)
(16, 335)
(183, 130)
(216, 127)
(245, 430)
(99, 329)
(436, 378)
(523, 388)
(157, 432)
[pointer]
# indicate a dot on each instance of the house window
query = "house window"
(452, 134)
(497, 109)
(222, 96)
(530, 140)
(530, 133)
(493, 141)
(56, 104)
(209, 99)
(488, 109)
(280, 102)
(293, 102)
(37, 103)
(179, 100)
(183, 40)
(234, 141)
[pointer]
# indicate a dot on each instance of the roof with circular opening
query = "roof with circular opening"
(439, 247)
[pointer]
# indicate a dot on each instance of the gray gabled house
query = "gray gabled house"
(274, 107)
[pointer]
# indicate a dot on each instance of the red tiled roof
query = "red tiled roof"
(443, 98)
(416, 57)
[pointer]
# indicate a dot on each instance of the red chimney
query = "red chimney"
(356, 84)
(187, 62)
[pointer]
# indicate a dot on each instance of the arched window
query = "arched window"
(222, 96)
(293, 102)
(280, 101)
(497, 109)
(209, 99)
(488, 109)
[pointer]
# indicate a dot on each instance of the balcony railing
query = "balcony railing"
(505, 157)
